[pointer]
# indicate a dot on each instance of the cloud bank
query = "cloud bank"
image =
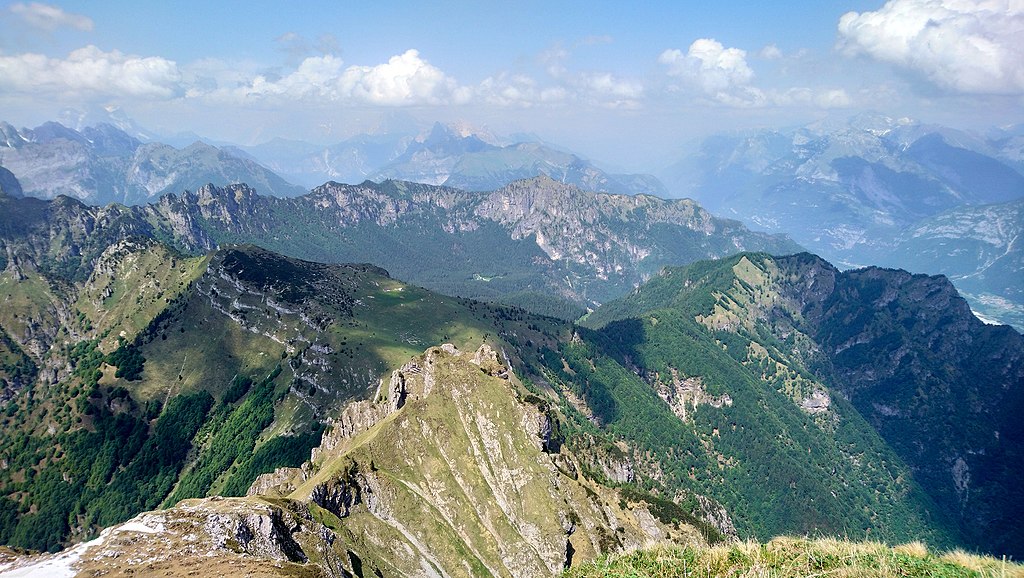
(90, 71)
(405, 79)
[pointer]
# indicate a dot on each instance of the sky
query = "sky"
(629, 84)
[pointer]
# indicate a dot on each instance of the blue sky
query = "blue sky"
(623, 83)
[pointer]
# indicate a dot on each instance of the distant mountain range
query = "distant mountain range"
(851, 192)
(449, 155)
(873, 190)
(103, 164)
(351, 161)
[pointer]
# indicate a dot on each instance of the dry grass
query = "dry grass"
(798, 557)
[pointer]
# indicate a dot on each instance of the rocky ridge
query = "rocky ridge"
(585, 246)
(452, 472)
(534, 243)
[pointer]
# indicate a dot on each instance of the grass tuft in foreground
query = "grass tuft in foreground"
(793, 557)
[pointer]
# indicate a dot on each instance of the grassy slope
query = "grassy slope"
(264, 396)
(796, 557)
(780, 469)
(132, 284)
(457, 474)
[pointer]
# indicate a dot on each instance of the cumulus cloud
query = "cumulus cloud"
(967, 46)
(713, 66)
(49, 18)
(709, 70)
(88, 71)
(405, 79)
(721, 73)
(315, 76)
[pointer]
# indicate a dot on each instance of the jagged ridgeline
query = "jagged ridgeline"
(538, 243)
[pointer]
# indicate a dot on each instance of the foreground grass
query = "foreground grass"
(785, 557)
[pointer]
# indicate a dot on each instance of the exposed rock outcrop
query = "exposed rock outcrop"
(449, 468)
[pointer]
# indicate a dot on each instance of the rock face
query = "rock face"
(684, 395)
(552, 237)
(9, 184)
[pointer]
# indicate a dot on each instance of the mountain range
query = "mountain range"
(103, 163)
(877, 190)
(538, 243)
(452, 155)
(850, 191)
(367, 425)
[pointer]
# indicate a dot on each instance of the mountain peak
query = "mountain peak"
(459, 130)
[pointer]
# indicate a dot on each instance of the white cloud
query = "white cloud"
(968, 46)
(90, 71)
(606, 84)
(403, 79)
(715, 67)
(315, 76)
(709, 70)
(719, 72)
(770, 52)
(518, 90)
(49, 18)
